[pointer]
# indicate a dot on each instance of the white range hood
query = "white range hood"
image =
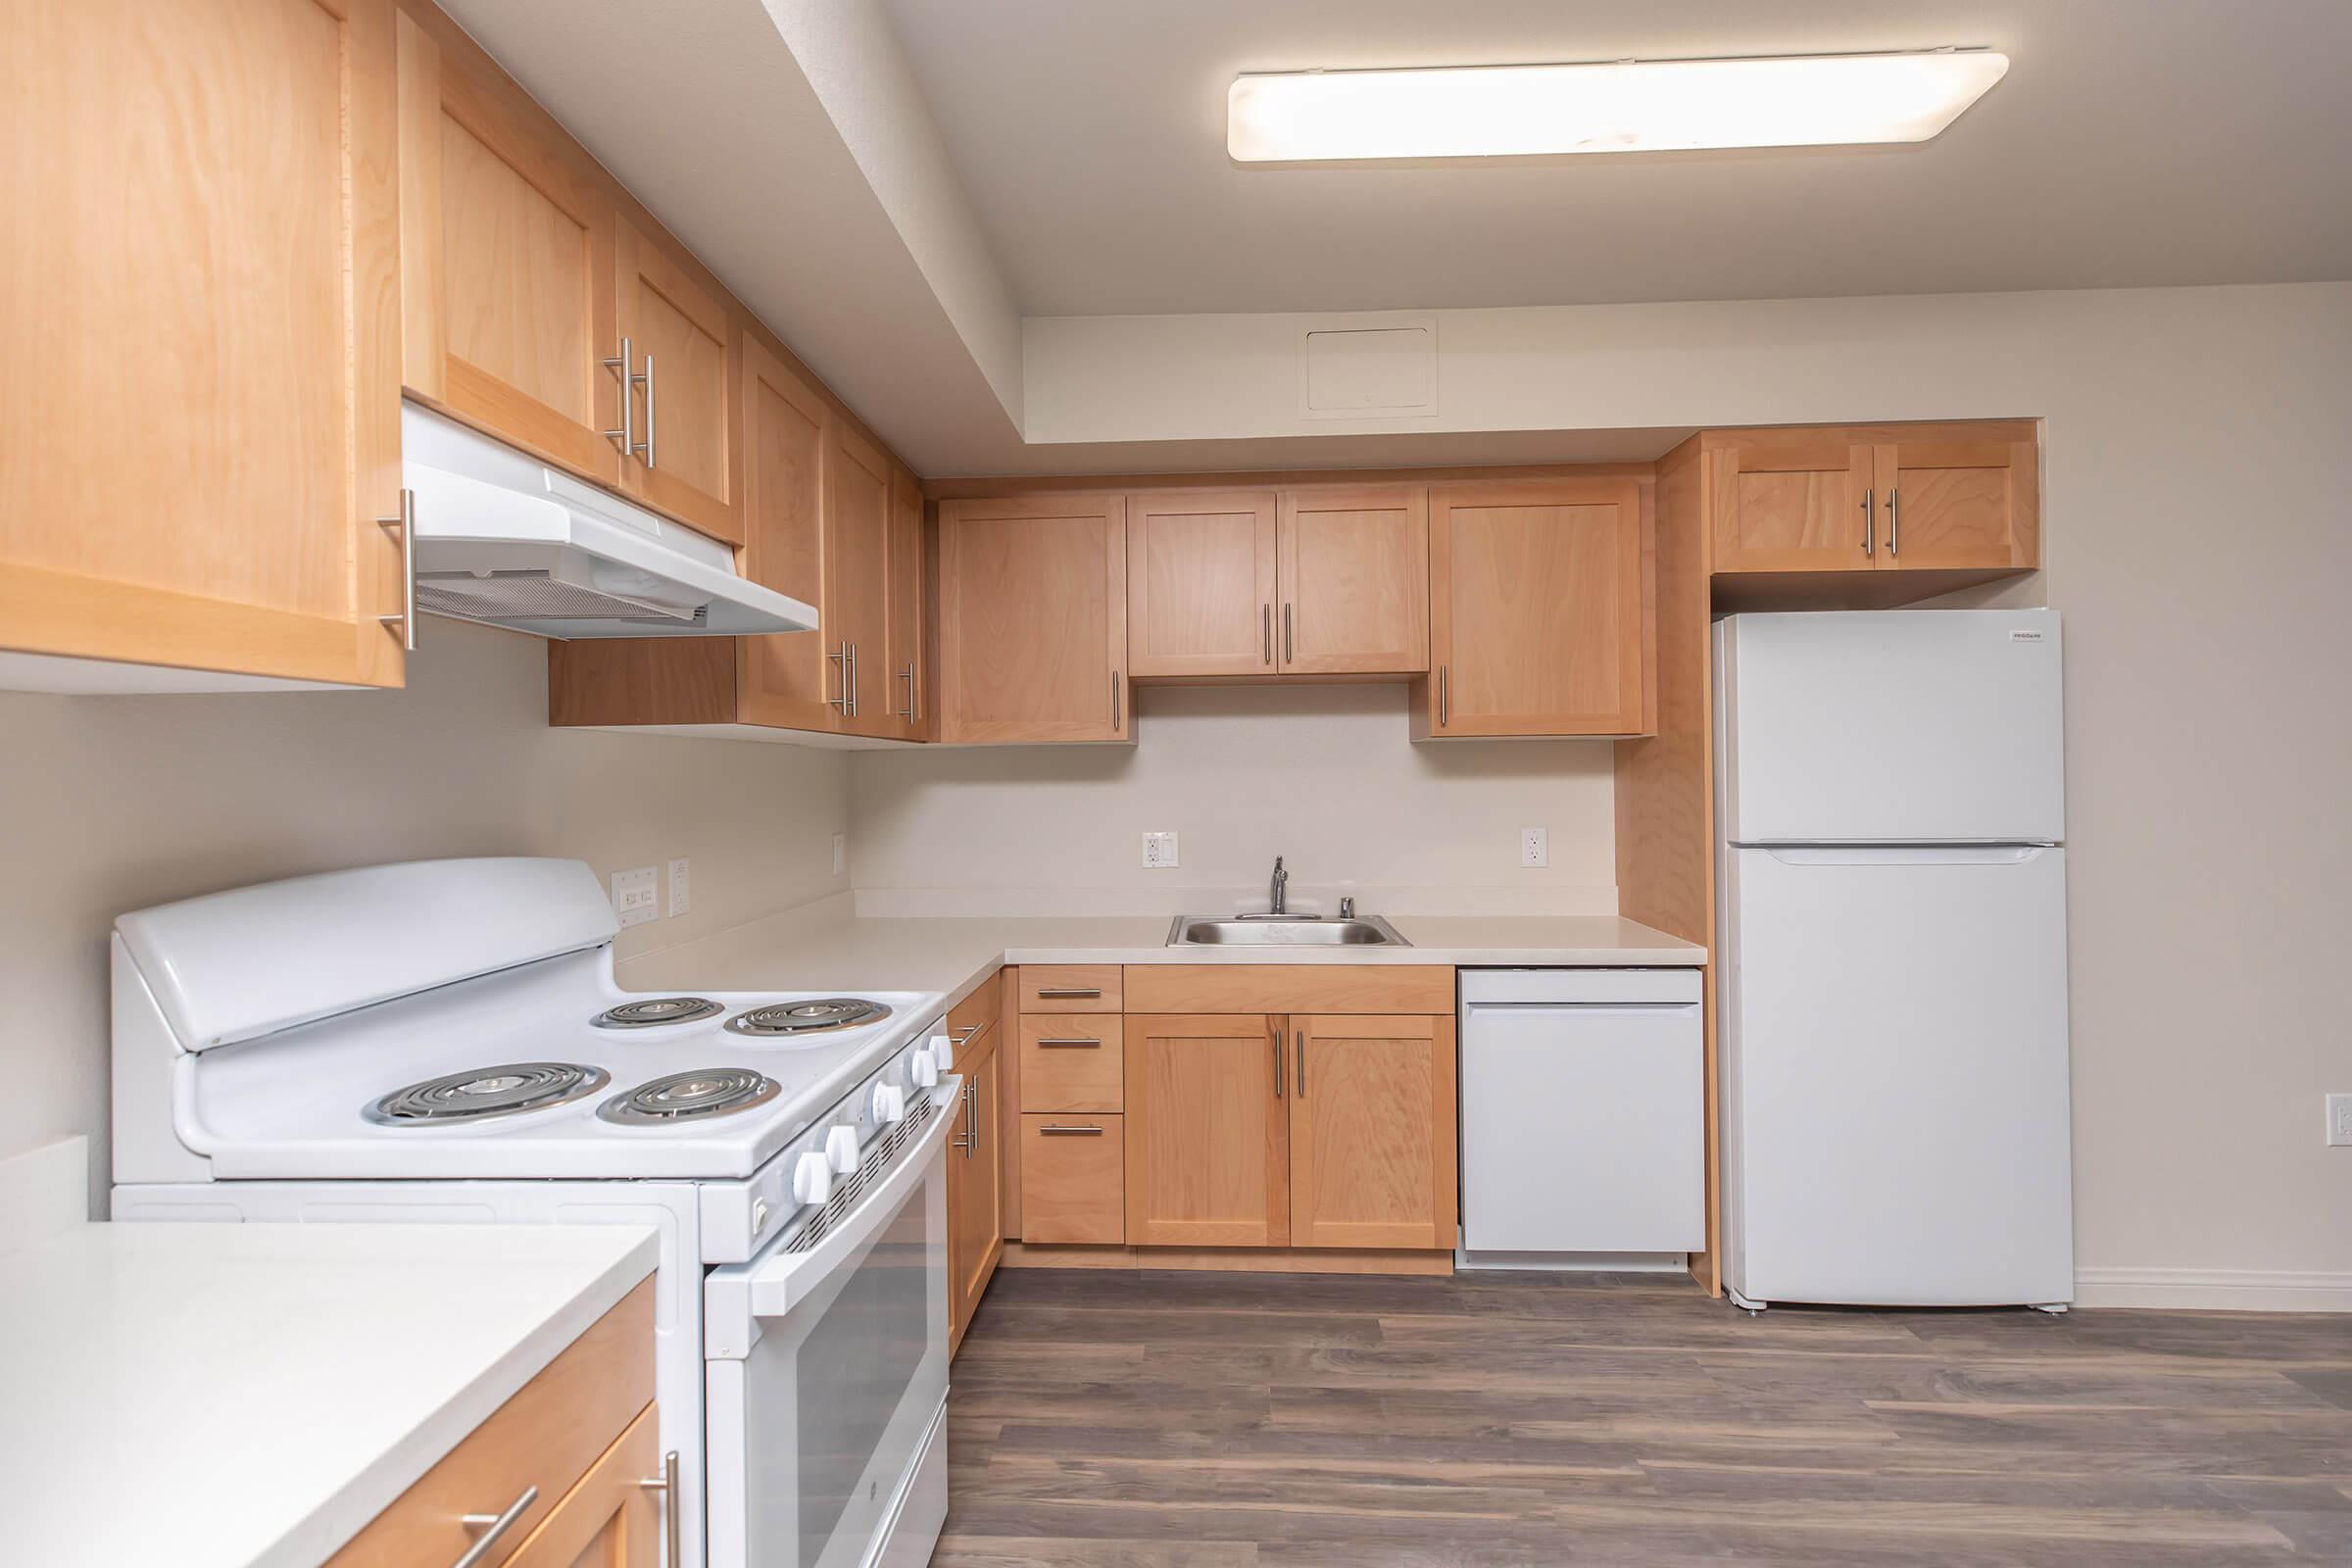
(506, 540)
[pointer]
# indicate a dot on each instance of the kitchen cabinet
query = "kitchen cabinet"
(1372, 1131)
(202, 385)
(1965, 498)
(568, 1440)
(975, 1182)
(1032, 619)
(1536, 609)
(787, 681)
(1207, 1130)
(1073, 1061)
(1072, 1180)
(856, 612)
(905, 641)
(1323, 580)
(1795, 501)
(685, 413)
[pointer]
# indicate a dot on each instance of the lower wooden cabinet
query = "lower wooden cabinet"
(975, 1180)
(1372, 1132)
(579, 1434)
(1207, 1131)
(1073, 1178)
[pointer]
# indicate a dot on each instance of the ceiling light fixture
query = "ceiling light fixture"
(1629, 106)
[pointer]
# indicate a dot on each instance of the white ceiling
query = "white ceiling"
(2134, 142)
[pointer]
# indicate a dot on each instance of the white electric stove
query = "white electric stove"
(444, 1041)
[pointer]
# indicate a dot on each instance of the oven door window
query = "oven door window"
(813, 1431)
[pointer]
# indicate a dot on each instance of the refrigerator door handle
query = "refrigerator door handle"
(1903, 854)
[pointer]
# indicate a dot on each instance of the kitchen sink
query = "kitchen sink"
(1284, 931)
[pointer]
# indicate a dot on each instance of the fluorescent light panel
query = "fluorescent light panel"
(1630, 106)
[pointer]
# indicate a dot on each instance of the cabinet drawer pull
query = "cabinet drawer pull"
(666, 1482)
(1894, 523)
(1290, 645)
(1071, 1043)
(649, 412)
(1441, 697)
(1265, 616)
(626, 435)
(492, 1526)
(1869, 526)
(1070, 1132)
(1298, 1044)
(406, 523)
(967, 1031)
(1069, 990)
(1279, 1074)
(1115, 700)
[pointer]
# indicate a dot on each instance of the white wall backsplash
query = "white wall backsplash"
(1321, 775)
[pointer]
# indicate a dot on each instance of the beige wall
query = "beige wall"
(117, 802)
(1322, 775)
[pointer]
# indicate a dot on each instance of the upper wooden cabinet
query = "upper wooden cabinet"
(787, 680)
(856, 597)
(1875, 498)
(685, 412)
(1320, 582)
(1032, 619)
(1536, 609)
(1354, 578)
(203, 377)
(908, 645)
(1201, 582)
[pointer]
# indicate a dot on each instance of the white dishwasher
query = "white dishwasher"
(1583, 1116)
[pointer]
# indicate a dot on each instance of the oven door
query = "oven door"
(826, 1364)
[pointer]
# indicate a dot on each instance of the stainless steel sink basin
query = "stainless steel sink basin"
(1284, 931)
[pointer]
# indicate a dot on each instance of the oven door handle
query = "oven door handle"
(783, 1282)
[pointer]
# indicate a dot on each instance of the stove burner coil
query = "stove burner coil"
(503, 1091)
(689, 1095)
(811, 1016)
(649, 1011)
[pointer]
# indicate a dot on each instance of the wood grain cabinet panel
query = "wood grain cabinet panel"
(612, 1519)
(1207, 1131)
(200, 289)
(1072, 1178)
(1372, 1132)
(1032, 619)
(1795, 501)
(976, 1190)
(1072, 1062)
(1200, 586)
(507, 262)
(906, 644)
(786, 678)
(857, 598)
(1960, 501)
(686, 454)
(1071, 988)
(1536, 617)
(1354, 581)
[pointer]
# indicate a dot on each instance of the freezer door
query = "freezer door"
(1895, 1076)
(1923, 726)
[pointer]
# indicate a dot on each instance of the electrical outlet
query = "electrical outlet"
(680, 900)
(1160, 851)
(2339, 1121)
(637, 895)
(841, 853)
(1535, 846)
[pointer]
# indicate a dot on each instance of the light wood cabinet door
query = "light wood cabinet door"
(200, 289)
(1536, 609)
(857, 602)
(904, 635)
(1795, 501)
(686, 452)
(1372, 1132)
(786, 679)
(611, 1519)
(1201, 582)
(510, 310)
(975, 1193)
(1355, 576)
(1032, 619)
(1207, 1136)
(1960, 499)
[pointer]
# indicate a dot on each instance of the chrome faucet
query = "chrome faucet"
(1280, 890)
(1348, 909)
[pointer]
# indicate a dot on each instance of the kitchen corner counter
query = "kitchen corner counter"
(824, 947)
(210, 1395)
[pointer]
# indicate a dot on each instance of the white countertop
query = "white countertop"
(826, 947)
(253, 1394)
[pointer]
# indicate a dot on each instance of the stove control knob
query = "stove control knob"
(759, 1215)
(942, 1052)
(890, 1103)
(811, 1178)
(841, 1149)
(923, 1068)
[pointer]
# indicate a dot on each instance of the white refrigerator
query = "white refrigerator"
(1892, 960)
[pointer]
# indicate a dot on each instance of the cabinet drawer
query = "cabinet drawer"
(547, 1436)
(1072, 1062)
(978, 1010)
(1073, 1179)
(1070, 988)
(1426, 987)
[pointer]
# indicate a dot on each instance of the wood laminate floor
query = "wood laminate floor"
(1165, 1420)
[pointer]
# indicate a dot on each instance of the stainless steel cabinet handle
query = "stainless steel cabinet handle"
(673, 1536)
(406, 523)
(1441, 697)
(1868, 526)
(649, 410)
(1265, 621)
(840, 659)
(1070, 1132)
(1298, 1044)
(1115, 700)
(1290, 645)
(1894, 523)
(908, 712)
(1069, 990)
(852, 673)
(967, 1031)
(626, 435)
(1069, 1043)
(1279, 1074)
(971, 1132)
(492, 1526)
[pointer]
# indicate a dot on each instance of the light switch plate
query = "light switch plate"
(1160, 851)
(681, 899)
(1535, 847)
(637, 895)
(2339, 1121)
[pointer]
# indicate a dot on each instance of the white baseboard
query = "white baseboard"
(2225, 1289)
